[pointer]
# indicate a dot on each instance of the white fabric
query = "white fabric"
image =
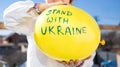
(17, 18)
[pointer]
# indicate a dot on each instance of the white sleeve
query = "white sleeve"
(89, 62)
(17, 18)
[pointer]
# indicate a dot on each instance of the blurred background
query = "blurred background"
(13, 46)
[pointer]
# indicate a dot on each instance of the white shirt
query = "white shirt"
(17, 18)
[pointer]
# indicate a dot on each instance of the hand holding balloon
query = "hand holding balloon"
(76, 63)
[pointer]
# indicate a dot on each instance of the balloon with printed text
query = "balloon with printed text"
(65, 32)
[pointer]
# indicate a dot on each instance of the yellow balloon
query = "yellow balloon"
(66, 32)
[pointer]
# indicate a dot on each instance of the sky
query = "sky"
(107, 11)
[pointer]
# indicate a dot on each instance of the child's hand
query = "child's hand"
(76, 63)
(40, 7)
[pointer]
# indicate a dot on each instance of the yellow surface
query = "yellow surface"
(66, 32)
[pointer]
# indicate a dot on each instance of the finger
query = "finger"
(78, 62)
(64, 63)
(71, 63)
(87, 58)
(59, 61)
(81, 64)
